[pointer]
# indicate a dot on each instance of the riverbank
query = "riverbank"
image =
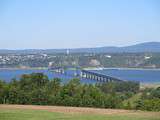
(149, 85)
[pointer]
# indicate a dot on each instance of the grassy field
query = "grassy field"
(38, 113)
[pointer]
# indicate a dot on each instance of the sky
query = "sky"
(50, 24)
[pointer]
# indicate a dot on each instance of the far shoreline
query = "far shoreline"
(121, 68)
(36, 68)
(134, 68)
(86, 68)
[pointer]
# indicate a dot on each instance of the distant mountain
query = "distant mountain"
(143, 47)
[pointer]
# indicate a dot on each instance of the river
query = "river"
(143, 76)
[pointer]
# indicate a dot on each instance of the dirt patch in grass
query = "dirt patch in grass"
(79, 110)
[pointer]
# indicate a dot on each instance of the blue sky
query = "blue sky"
(27, 24)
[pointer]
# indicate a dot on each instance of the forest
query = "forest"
(38, 89)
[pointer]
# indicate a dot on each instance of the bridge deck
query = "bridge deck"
(100, 76)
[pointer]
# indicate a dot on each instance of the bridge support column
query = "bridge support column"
(92, 77)
(99, 78)
(106, 80)
(102, 79)
(95, 77)
(87, 76)
(82, 74)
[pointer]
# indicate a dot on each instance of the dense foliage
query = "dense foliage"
(150, 100)
(37, 89)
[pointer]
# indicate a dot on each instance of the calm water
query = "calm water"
(8, 75)
(144, 76)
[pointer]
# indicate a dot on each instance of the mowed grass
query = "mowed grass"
(24, 114)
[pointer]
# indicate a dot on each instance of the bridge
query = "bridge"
(81, 73)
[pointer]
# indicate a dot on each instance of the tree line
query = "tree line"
(37, 89)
